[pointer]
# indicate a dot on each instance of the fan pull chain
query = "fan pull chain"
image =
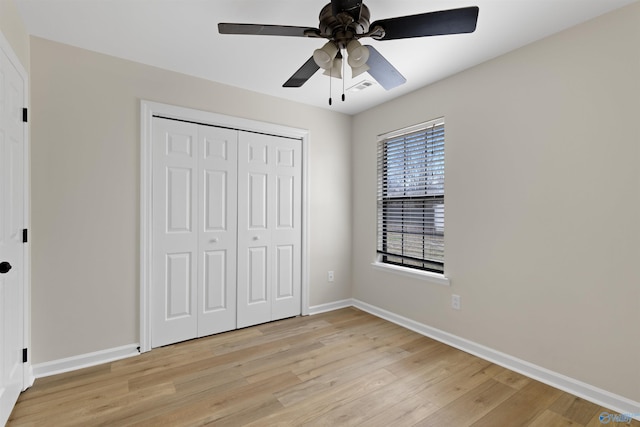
(343, 78)
(330, 85)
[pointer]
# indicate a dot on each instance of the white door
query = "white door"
(175, 236)
(226, 230)
(11, 225)
(269, 228)
(286, 229)
(194, 231)
(217, 220)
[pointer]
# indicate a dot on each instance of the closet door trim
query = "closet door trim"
(148, 110)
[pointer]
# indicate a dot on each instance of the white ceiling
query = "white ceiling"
(182, 35)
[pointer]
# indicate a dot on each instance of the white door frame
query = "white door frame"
(27, 374)
(148, 110)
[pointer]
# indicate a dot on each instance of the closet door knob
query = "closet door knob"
(256, 237)
(4, 267)
(214, 240)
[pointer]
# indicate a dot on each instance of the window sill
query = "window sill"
(427, 276)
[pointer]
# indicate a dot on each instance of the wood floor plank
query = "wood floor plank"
(575, 409)
(52, 386)
(551, 419)
(526, 405)
(315, 408)
(222, 404)
(460, 382)
(343, 367)
(512, 379)
(341, 361)
(359, 366)
(62, 403)
(407, 412)
(471, 406)
(380, 401)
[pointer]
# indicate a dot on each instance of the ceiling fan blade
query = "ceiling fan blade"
(454, 21)
(265, 30)
(303, 74)
(382, 71)
(352, 7)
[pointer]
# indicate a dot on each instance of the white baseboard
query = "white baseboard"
(578, 388)
(84, 360)
(336, 305)
(29, 377)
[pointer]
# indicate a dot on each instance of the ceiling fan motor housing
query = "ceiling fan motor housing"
(345, 26)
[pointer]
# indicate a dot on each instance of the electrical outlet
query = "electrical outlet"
(455, 302)
(330, 276)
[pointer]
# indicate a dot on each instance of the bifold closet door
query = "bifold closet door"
(217, 239)
(194, 231)
(269, 228)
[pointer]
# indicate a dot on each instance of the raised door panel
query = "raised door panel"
(215, 280)
(178, 200)
(217, 242)
(215, 200)
(257, 195)
(285, 203)
(175, 251)
(285, 271)
(178, 285)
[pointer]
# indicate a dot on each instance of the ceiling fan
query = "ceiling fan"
(344, 22)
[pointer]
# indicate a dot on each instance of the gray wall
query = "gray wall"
(85, 190)
(542, 204)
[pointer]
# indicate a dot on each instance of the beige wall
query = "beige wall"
(85, 184)
(542, 204)
(14, 31)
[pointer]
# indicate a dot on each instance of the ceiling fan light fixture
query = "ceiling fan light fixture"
(335, 70)
(356, 71)
(358, 54)
(344, 22)
(324, 56)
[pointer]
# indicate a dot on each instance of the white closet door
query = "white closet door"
(226, 230)
(175, 232)
(286, 231)
(12, 162)
(254, 236)
(269, 228)
(218, 230)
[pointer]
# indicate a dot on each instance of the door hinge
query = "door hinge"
(24, 115)
(24, 355)
(24, 235)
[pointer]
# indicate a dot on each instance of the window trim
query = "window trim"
(427, 276)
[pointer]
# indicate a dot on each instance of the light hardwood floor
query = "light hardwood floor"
(344, 367)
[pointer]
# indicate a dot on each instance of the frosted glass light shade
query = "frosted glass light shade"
(335, 70)
(358, 54)
(356, 71)
(324, 56)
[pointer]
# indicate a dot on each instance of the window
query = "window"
(411, 197)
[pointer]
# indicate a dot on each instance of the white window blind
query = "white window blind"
(411, 197)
